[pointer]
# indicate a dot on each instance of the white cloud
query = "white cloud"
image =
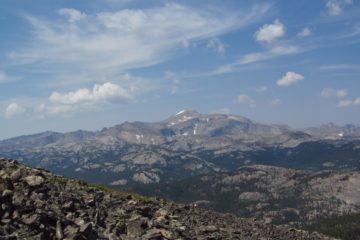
(357, 101)
(125, 39)
(270, 32)
(289, 79)
(336, 7)
(273, 52)
(341, 93)
(106, 92)
(261, 89)
(245, 99)
(72, 15)
(345, 103)
(85, 99)
(12, 110)
(349, 103)
(54, 109)
(216, 45)
(275, 102)
(330, 92)
(305, 32)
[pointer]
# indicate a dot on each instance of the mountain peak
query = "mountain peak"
(187, 112)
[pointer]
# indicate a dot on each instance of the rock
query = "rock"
(59, 230)
(87, 231)
(31, 220)
(71, 232)
(136, 226)
(16, 175)
(34, 181)
(7, 193)
(209, 229)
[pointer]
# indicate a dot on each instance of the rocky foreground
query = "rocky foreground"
(38, 205)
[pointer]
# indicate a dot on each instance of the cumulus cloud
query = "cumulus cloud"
(247, 100)
(348, 103)
(336, 7)
(216, 45)
(340, 93)
(330, 92)
(305, 32)
(345, 103)
(12, 110)
(290, 78)
(106, 92)
(85, 99)
(270, 32)
(45, 109)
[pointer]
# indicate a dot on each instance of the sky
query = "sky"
(68, 65)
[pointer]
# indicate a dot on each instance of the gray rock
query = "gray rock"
(59, 230)
(34, 181)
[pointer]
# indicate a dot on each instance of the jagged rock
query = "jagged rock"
(31, 219)
(50, 207)
(88, 232)
(59, 230)
(34, 181)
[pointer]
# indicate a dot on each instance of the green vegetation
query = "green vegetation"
(345, 227)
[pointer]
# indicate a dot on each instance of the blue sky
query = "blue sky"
(67, 65)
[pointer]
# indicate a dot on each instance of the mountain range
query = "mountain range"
(188, 147)
(186, 144)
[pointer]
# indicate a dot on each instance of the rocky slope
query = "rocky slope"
(38, 205)
(274, 194)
